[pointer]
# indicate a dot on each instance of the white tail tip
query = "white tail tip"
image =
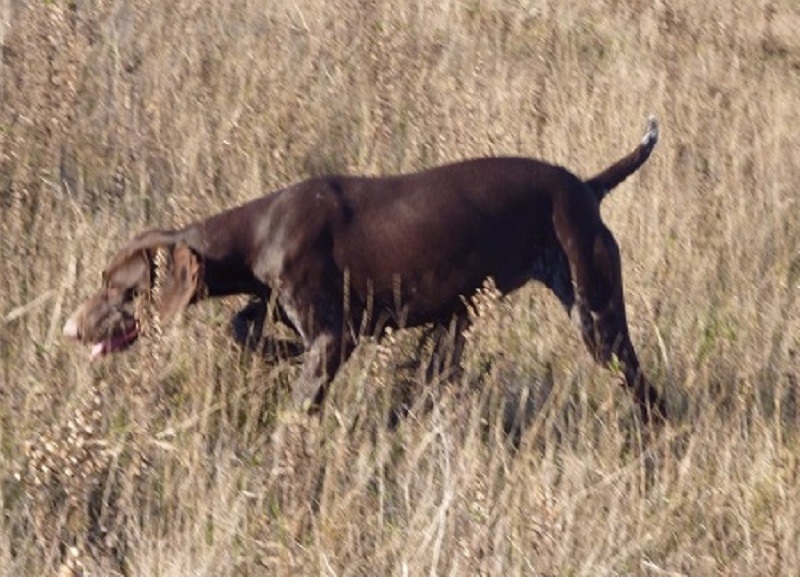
(651, 136)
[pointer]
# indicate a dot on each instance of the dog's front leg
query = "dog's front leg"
(320, 325)
(324, 355)
(247, 325)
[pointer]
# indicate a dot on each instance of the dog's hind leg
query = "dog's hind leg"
(599, 312)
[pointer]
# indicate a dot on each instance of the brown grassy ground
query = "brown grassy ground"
(181, 456)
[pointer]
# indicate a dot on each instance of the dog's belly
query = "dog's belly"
(428, 280)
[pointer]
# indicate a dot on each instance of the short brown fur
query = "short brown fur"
(407, 248)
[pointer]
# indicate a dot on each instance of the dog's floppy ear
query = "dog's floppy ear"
(180, 283)
(132, 271)
(131, 266)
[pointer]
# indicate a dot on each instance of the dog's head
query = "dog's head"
(153, 268)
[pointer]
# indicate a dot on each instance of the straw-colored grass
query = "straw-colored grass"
(182, 456)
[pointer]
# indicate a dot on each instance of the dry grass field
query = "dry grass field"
(182, 456)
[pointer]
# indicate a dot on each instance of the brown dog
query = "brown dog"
(401, 251)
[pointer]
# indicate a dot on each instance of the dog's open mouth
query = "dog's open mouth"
(115, 343)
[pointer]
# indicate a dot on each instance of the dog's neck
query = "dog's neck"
(222, 275)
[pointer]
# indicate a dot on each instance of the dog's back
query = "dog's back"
(426, 239)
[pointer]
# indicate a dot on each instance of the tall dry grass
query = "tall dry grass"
(181, 457)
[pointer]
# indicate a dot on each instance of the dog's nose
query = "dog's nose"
(71, 328)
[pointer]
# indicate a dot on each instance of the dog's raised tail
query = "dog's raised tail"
(609, 178)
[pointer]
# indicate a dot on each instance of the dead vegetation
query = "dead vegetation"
(181, 457)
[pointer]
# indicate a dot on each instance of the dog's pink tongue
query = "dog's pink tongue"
(114, 343)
